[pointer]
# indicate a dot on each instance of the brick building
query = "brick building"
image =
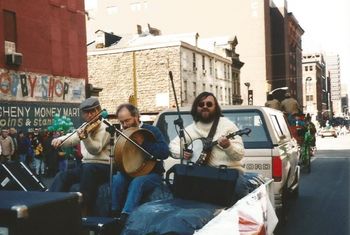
(43, 69)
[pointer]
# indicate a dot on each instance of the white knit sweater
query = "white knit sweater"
(95, 148)
(231, 156)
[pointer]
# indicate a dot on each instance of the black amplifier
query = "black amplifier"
(40, 213)
(215, 185)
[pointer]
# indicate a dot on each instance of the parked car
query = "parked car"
(270, 148)
(328, 132)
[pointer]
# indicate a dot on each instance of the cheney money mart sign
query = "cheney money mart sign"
(26, 116)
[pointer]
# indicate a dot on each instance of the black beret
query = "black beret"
(89, 103)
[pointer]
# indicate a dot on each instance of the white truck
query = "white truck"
(270, 148)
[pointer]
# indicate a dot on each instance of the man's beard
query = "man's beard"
(206, 117)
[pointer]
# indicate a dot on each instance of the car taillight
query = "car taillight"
(277, 168)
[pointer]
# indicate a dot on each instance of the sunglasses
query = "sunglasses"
(209, 104)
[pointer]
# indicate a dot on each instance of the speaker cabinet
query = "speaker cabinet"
(16, 176)
(40, 213)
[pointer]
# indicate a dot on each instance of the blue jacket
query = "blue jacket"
(159, 149)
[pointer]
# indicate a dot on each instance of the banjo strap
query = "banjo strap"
(207, 147)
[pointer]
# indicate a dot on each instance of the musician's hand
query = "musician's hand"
(81, 133)
(138, 138)
(56, 143)
(188, 154)
(224, 142)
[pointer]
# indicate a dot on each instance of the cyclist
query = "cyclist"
(311, 126)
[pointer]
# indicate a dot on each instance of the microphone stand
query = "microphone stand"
(111, 130)
(179, 122)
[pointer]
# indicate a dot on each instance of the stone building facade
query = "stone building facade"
(139, 72)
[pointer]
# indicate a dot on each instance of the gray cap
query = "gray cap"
(89, 103)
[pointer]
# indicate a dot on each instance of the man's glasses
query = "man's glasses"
(209, 104)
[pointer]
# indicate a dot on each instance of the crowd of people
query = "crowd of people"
(34, 149)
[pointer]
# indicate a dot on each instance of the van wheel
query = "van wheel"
(295, 193)
(282, 212)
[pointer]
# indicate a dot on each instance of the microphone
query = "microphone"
(104, 113)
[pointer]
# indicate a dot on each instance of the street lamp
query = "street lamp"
(279, 88)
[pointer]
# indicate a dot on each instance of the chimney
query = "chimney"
(139, 29)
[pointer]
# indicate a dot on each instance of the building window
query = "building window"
(211, 66)
(309, 98)
(311, 68)
(221, 94)
(306, 68)
(224, 70)
(229, 72)
(10, 31)
(229, 96)
(185, 90)
(194, 89)
(194, 65)
(308, 85)
(203, 62)
(90, 5)
(112, 10)
(136, 6)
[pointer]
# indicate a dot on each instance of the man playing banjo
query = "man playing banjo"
(206, 113)
(127, 190)
(209, 124)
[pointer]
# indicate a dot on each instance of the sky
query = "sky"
(327, 29)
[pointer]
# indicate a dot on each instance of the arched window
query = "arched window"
(308, 85)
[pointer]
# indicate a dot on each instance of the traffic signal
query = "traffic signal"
(250, 97)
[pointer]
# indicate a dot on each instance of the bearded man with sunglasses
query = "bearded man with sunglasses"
(205, 111)
(206, 114)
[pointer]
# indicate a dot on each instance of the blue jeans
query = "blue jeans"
(128, 191)
(89, 175)
(39, 166)
(23, 157)
(246, 183)
(62, 164)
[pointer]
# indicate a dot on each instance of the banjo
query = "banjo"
(199, 146)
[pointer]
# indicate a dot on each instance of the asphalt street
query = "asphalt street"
(322, 207)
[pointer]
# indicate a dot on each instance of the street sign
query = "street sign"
(250, 97)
